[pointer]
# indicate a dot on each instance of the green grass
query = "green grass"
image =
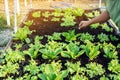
(3, 23)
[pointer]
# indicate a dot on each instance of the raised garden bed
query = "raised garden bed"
(57, 50)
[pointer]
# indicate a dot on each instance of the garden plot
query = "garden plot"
(49, 46)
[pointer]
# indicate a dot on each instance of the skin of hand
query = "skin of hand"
(84, 24)
(103, 17)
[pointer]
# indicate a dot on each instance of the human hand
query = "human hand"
(84, 24)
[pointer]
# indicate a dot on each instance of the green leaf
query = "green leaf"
(78, 12)
(110, 51)
(70, 35)
(90, 49)
(89, 15)
(118, 46)
(114, 66)
(49, 69)
(78, 77)
(57, 13)
(114, 77)
(113, 38)
(65, 54)
(51, 76)
(62, 75)
(14, 56)
(86, 36)
(106, 27)
(22, 33)
(103, 37)
(46, 14)
(28, 23)
(68, 21)
(27, 40)
(94, 69)
(34, 78)
(73, 67)
(95, 26)
(55, 36)
(55, 19)
(52, 50)
(42, 76)
(72, 51)
(32, 68)
(9, 68)
(36, 14)
(104, 78)
(96, 13)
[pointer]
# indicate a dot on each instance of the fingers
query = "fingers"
(81, 25)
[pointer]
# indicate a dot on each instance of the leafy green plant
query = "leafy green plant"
(86, 36)
(53, 67)
(110, 51)
(72, 50)
(68, 21)
(19, 78)
(36, 14)
(94, 69)
(96, 13)
(114, 77)
(32, 68)
(9, 68)
(78, 77)
(55, 36)
(34, 77)
(68, 11)
(46, 14)
(103, 37)
(22, 33)
(113, 38)
(104, 78)
(34, 48)
(92, 14)
(29, 77)
(118, 46)
(70, 35)
(90, 49)
(9, 78)
(89, 15)
(94, 26)
(55, 19)
(28, 23)
(18, 46)
(78, 12)
(51, 50)
(75, 68)
(14, 56)
(106, 27)
(57, 13)
(114, 66)
(52, 71)
(2, 57)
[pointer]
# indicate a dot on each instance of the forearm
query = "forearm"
(103, 17)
